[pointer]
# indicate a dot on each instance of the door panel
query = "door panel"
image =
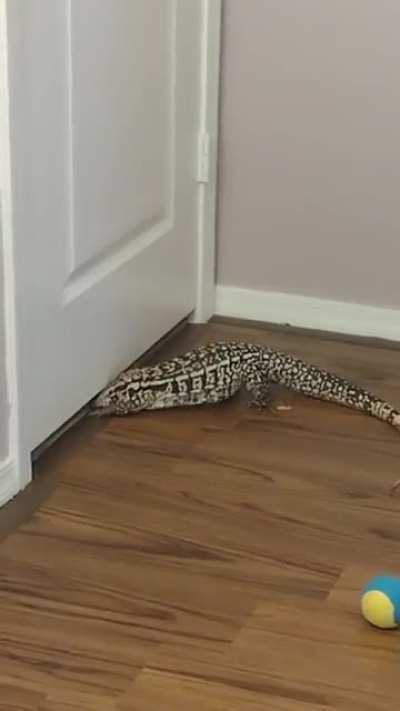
(105, 109)
(122, 178)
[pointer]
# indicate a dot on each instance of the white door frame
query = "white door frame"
(211, 64)
(15, 472)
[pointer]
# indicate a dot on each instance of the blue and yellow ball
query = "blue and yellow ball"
(380, 602)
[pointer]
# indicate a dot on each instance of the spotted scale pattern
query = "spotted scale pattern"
(216, 371)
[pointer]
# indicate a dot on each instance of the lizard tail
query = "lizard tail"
(320, 384)
(384, 411)
(317, 383)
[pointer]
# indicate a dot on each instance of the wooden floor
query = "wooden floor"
(208, 559)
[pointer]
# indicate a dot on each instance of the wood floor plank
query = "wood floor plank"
(62, 635)
(330, 648)
(69, 700)
(155, 690)
(215, 677)
(15, 698)
(306, 655)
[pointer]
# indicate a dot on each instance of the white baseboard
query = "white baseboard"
(307, 312)
(9, 486)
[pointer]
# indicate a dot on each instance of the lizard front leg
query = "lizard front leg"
(259, 389)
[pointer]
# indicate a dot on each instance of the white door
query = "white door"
(105, 118)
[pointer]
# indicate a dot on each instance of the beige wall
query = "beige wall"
(310, 148)
(4, 408)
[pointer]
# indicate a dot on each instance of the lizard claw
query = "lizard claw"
(396, 421)
(395, 487)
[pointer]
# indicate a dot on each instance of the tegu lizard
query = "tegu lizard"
(216, 371)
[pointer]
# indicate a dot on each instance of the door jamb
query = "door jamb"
(16, 470)
(209, 124)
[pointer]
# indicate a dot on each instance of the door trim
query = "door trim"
(9, 484)
(209, 125)
(15, 472)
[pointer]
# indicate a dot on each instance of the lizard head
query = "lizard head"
(127, 394)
